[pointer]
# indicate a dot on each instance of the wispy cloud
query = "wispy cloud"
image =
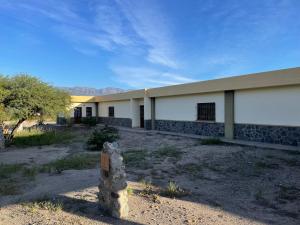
(151, 25)
(112, 24)
(141, 77)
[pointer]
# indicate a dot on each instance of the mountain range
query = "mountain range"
(87, 91)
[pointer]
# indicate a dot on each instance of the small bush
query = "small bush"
(172, 191)
(211, 141)
(130, 191)
(90, 121)
(99, 137)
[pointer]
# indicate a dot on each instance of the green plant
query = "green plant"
(24, 97)
(167, 151)
(172, 190)
(45, 204)
(77, 162)
(90, 121)
(99, 137)
(30, 172)
(37, 137)
(135, 158)
(6, 170)
(148, 188)
(8, 187)
(211, 141)
(129, 191)
(110, 130)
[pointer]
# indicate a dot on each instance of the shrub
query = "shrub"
(99, 137)
(172, 191)
(90, 121)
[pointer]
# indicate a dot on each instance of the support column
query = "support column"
(153, 113)
(97, 111)
(134, 108)
(147, 113)
(229, 114)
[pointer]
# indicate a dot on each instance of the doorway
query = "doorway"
(77, 114)
(141, 116)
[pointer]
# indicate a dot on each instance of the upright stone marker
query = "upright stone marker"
(112, 188)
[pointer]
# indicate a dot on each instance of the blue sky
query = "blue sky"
(146, 43)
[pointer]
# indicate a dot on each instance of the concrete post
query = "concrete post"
(229, 114)
(97, 110)
(147, 113)
(153, 113)
(134, 108)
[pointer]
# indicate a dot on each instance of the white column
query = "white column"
(147, 108)
(134, 106)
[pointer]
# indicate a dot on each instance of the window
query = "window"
(111, 111)
(89, 112)
(206, 111)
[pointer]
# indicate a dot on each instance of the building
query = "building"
(263, 107)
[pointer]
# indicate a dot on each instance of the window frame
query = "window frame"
(111, 113)
(210, 107)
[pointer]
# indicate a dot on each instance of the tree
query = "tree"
(26, 97)
(3, 115)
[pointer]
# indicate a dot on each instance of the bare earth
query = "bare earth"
(224, 184)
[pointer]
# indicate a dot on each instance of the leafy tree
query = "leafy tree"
(26, 97)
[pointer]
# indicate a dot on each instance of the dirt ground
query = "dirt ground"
(220, 184)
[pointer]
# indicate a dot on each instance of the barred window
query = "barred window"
(89, 112)
(111, 111)
(206, 111)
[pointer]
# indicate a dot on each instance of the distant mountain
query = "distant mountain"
(86, 91)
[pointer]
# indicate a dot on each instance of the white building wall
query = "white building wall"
(135, 111)
(83, 106)
(184, 108)
(122, 109)
(270, 106)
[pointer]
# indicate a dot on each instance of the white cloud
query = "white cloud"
(151, 25)
(111, 24)
(142, 77)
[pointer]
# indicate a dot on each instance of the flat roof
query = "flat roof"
(274, 78)
(250, 81)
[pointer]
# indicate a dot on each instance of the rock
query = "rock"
(113, 197)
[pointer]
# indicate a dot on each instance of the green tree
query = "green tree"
(26, 97)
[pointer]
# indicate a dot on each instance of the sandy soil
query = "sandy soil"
(225, 184)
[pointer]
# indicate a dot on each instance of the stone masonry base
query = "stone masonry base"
(190, 127)
(269, 134)
(123, 122)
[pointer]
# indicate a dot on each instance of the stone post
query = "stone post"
(113, 197)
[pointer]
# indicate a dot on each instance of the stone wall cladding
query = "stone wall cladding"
(122, 122)
(191, 127)
(147, 124)
(269, 134)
